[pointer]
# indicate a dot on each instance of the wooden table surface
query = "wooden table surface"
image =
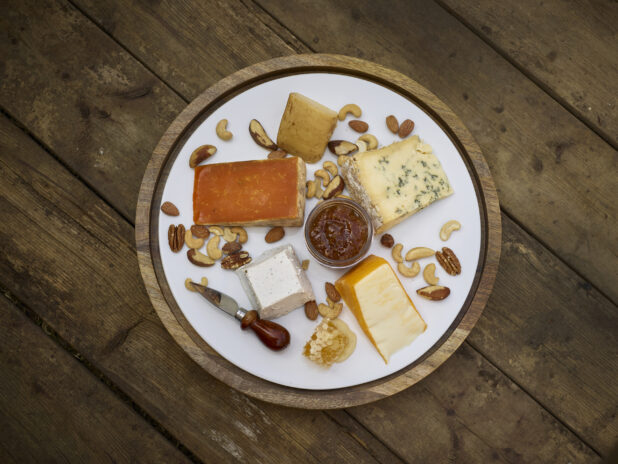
(90, 374)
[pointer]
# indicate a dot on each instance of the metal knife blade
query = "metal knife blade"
(220, 300)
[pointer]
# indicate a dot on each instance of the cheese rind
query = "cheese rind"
(394, 182)
(275, 282)
(268, 192)
(306, 127)
(381, 305)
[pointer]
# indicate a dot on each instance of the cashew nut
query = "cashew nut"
(216, 230)
(327, 311)
(191, 288)
(370, 140)
(322, 174)
(331, 303)
(396, 253)
(349, 108)
(429, 274)
(228, 235)
(310, 188)
(419, 253)
(242, 234)
(222, 131)
(362, 145)
(331, 168)
(212, 248)
(191, 242)
(448, 228)
(318, 190)
(409, 271)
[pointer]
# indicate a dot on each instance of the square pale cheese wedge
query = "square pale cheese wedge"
(394, 182)
(250, 193)
(275, 282)
(381, 305)
(305, 128)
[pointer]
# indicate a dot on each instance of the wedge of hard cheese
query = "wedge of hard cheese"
(250, 193)
(396, 181)
(381, 305)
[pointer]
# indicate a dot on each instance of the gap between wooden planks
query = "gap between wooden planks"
(129, 105)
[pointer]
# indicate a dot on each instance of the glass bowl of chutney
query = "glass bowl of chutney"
(338, 232)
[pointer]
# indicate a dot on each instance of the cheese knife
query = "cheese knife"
(273, 335)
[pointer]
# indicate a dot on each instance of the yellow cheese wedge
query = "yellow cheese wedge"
(381, 305)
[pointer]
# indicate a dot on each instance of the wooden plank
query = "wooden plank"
(468, 411)
(84, 97)
(71, 259)
(569, 47)
(53, 410)
(539, 153)
(553, 334)
(46, 214)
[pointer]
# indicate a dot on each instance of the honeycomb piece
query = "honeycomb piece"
(332, 342)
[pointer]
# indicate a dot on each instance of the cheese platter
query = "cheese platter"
(256, 198)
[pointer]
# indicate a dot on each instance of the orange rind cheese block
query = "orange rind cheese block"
(381, 305)
(250, 193)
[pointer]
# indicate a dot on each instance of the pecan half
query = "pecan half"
(448, 261)
(176, 237)
(235, 260)
(231, 247)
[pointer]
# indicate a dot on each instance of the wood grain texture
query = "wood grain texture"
(172, 316)
(552, 173)
(53, 410)
(468, 431)
(84, 97)
(113, 326)
(71, 259)
(220, 38)
(569, 47)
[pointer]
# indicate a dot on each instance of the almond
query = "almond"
(201, 154)
(392, 124)
(342, 147)
(170, 209)
(274, 235)
(434, 292)
(358, 125)
(259, 135)
(176, 237)
(311, 310)
(277, 154)
(406, 128)
(332, 292)
(200, 231)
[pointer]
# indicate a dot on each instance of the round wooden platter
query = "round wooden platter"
(150, 262)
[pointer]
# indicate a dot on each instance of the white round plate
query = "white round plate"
(266, 102)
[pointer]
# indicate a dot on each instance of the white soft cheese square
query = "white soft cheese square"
(275, 282)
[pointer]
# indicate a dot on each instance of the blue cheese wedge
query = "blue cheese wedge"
(394, 182)
(275, 282)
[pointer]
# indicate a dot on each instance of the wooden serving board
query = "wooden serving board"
(164, 303)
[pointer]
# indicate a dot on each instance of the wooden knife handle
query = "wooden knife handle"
(273, 335)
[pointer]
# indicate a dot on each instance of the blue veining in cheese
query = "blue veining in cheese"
(396, 181)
